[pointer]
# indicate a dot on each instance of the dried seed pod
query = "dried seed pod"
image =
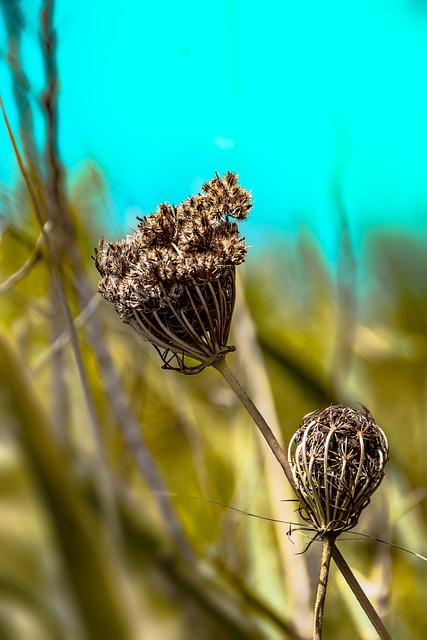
(173, 280)
(337, 458)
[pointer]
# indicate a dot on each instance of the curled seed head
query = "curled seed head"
(337, 458)
(173, 280)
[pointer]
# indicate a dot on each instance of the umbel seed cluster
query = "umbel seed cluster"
(173, 280)
(337, 458)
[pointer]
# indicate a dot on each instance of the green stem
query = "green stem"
(319, 607)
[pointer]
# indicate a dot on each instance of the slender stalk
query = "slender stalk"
(104, 480)
(270, 438)
(35, 256)
(228, 375)
(360, 594)
(319, 607)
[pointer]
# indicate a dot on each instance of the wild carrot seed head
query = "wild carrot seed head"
(173, 280)
(337, 458)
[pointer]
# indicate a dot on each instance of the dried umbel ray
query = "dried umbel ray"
(337, 459)
(173, 280)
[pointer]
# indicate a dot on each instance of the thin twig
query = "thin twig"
(54, 209)
(55, 183)
(319, 607)
(15, 22)
(360, 594)
(27, 266)
(270, 438)
(249, 358)
(280, 455)
(105, 488)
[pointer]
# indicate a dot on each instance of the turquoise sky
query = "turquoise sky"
(320, 107)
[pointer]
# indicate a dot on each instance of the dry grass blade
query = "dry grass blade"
(103, 477)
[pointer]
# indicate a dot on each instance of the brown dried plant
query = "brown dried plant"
(173, 280)
(337, 458)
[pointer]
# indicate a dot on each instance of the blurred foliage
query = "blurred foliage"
(66, 573)
(115, 476)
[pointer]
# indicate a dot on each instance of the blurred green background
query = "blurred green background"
(321, 110)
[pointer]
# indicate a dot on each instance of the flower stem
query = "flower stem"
(319, 607)
(273, 443)
(228, 375)
(360, 594)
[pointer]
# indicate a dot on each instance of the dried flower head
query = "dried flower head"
(337, 458)
(173, 280)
